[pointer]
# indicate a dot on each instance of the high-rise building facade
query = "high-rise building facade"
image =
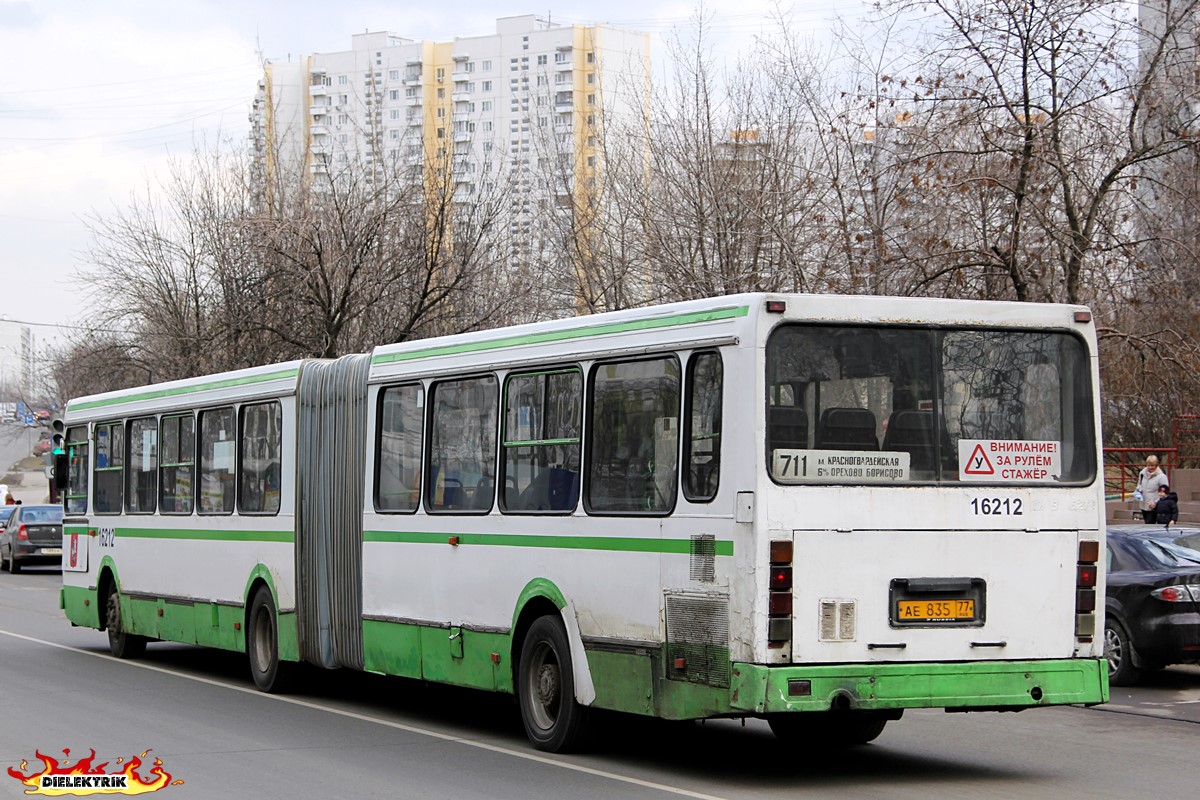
(516, 115)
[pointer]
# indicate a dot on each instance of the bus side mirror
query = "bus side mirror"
(62, 465)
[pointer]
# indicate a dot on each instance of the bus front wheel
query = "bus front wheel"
(120, 643)
(553, 720)
(262, 644)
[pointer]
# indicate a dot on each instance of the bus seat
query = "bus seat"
(911, 431)
(847, 429)
(787, 428)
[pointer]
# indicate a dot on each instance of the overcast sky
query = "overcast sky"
(98, 95)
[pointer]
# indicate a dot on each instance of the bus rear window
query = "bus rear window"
(861, 404)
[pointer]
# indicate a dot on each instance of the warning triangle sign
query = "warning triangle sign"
(978, 463)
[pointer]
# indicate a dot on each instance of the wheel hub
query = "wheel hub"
(547, 684)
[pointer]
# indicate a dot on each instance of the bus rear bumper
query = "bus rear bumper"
(958, 686)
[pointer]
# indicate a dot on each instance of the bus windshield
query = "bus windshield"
(867, 404)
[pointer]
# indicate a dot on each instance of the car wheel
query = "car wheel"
(262, 645)
(1118, 650)
(13, 566)
(546, 689)
(120, 643)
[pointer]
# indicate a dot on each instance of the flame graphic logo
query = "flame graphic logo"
(60, 778)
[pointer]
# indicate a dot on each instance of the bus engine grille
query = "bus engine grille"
(698, 639)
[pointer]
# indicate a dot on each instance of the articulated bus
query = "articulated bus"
(815, 510)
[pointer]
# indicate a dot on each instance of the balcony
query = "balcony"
(462, 136)
(321, 148)
(413, 80)
(318, 90)
(460, 97)
(318, 110)
(320, 129)
(319, 169)
(564, 106)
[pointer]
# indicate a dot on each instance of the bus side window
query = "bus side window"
(260, 454)
(77, 460)
(634, 437)
(542, 420)
(398, 448)
(462, 445)
(702, 444)
(109, 477)
(218, 458)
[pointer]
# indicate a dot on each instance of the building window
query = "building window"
(441, 111)
(487, 65)
(393, 94)
(591, 77)
(487, 105)
(560, 57)
(441, 73)
(541, 80)
(591, 58)
(441, 93)
(393, 74)
(343, 80)
(541, 60)
(394, 113)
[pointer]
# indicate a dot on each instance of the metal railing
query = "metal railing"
(1122, 465)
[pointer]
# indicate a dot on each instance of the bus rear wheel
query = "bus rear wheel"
(554, 722)
(262, 644)
(120, 643)
(827, 729)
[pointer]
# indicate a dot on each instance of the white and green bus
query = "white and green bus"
(816, 510)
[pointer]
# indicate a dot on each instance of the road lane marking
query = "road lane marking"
(675, 790)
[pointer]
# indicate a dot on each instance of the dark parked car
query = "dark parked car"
(32, 535)
(1152, 606)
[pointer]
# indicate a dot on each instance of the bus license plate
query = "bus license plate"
(922, 610)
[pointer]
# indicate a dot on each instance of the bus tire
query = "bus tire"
(120, 643)
(554, 722)
(823, 730)
(1118, 651)
(262, 644)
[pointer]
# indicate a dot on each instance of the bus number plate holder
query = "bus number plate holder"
(937, 602)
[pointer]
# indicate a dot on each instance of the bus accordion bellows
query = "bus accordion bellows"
(816, 510)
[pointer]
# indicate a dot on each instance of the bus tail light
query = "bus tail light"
(1086, 576)
(779, 606)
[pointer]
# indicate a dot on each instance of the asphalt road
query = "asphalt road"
(355, 735)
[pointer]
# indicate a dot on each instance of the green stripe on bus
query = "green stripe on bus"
(692, 318)
(157, 394)
(205, 535)
(724, 547)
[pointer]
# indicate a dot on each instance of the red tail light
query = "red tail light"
(781, 579)
(22, 534)
(1177, 594)
(1087, 575)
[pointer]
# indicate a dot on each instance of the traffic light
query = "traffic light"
(57, 437)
